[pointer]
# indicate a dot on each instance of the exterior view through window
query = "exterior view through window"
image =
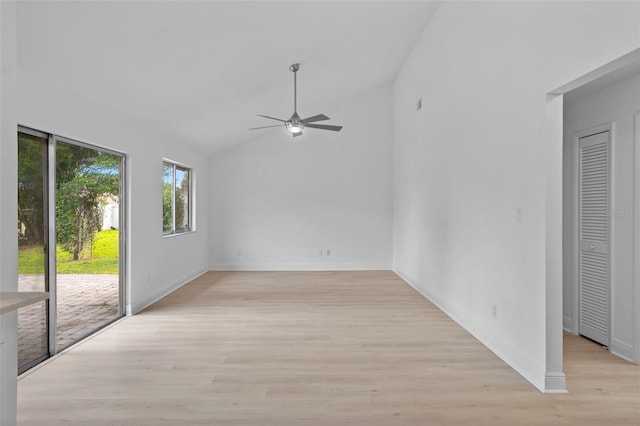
(176, 198)
(69, 241)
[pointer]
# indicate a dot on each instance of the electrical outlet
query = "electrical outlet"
(518, 215)
(419, 104)
(328, 252)
(494, 310)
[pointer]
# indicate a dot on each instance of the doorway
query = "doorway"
(71, 241)
(600, 288)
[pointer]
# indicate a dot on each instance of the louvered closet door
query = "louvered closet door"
(593, 218)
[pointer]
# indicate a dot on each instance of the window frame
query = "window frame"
(175, 166)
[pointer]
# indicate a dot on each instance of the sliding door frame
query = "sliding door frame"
(50, 228)
(49, 232)
(52, 243)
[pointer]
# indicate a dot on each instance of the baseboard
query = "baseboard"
(623, 350)
(164, 291)
(567, 324)
(555, 382)
(520, 362)
(299, 267)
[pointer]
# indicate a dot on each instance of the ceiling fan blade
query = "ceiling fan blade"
(265, 127)
(296, 134)
(272, 118)
(319, 117)
(324, 127)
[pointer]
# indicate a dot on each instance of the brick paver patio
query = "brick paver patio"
(85, 303)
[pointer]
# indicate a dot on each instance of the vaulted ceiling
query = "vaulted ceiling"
(200, 71)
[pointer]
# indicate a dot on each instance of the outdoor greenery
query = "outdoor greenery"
(103, 261)
(85, 180)
(167, 198)
(31, 164)
(80, 194)
(175, 198)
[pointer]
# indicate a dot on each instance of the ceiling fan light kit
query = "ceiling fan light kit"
(295, 124)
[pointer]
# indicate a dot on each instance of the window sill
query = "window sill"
(177, 234)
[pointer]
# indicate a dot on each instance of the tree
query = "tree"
(31, 162)
(175, 198)
(182, 197)
(83, 177)
(167, 199)
(79, 195)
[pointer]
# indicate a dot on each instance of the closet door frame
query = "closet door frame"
(610, 128)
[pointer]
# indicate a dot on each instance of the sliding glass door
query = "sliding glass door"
(33, 332)
(88, 189)
(69, 198)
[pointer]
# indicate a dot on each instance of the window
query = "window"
(176, 198)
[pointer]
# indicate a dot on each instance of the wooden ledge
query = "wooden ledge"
(13, 300)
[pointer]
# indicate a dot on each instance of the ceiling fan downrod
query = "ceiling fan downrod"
(294, 69)
(295, 123)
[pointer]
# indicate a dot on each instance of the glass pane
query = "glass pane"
(87, 230)
(182, 199)
(167, 198)
(32, 320)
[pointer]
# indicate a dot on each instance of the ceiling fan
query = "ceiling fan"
(295, 124)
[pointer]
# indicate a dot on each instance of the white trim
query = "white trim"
(520, 362)
(636, 244)
(300, 267)
(630, 58)
(575, 152)
(568, 324)
(159, 293)
(555, 382)
(621, 349)
(553, 267)
(178, 234)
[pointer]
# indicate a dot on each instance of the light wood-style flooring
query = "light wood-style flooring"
(311, 348)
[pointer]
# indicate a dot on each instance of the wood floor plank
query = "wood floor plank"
(311, 348)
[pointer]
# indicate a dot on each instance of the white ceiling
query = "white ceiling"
(200, 71)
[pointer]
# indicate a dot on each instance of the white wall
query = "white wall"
(8, 212)
(477, 151)
(616, 103)
(156, 265)
(275, 202)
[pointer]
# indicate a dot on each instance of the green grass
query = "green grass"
(104, 260)
(30, 260)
